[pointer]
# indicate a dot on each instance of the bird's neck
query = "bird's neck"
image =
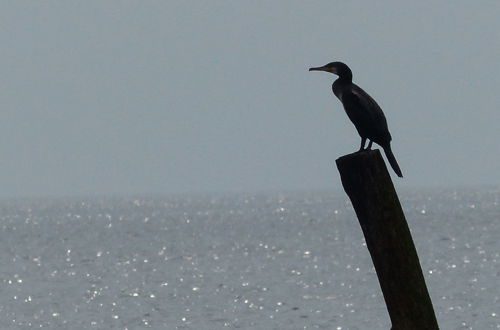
(345, 79)
(340, 85)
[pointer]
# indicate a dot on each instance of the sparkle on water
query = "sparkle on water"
(284, 261)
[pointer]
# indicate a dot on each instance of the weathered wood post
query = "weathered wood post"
(369, 186)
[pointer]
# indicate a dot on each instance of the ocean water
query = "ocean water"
(265, 261)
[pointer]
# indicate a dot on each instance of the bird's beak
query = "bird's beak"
(321, 68)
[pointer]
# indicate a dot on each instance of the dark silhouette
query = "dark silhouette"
(388, 238)
(363, 111)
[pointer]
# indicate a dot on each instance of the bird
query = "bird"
(362, 110)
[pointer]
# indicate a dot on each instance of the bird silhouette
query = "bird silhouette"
(362, 110)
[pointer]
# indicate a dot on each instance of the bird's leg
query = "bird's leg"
(369, 145)
(362, 147)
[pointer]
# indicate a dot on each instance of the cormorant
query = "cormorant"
(363, 111)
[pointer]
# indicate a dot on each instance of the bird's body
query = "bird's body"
(362, 110)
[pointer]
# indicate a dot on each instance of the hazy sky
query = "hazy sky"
(102, 97)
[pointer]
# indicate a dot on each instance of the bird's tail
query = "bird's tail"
(392, 160)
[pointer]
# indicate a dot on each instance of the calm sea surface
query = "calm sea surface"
(269, 261)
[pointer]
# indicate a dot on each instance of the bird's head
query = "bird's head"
(338, 68)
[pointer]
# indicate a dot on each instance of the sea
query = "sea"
(277, 260)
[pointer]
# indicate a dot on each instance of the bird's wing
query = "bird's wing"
(366, 114)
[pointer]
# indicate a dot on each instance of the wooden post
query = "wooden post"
(369, 186)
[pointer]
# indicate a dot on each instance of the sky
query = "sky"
(133, 97)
